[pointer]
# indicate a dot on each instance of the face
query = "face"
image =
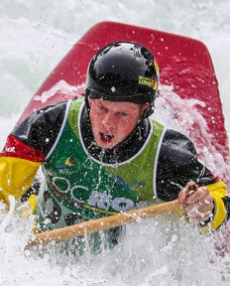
(113, 121)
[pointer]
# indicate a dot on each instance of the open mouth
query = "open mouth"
(106, 137)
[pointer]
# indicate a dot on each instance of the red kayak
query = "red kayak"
(188, 81)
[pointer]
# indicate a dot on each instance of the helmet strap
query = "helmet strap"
(87, 99)
(148, 111)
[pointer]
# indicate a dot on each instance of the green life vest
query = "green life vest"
(78, 187)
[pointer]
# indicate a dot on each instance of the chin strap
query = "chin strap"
(148, 111)
(87, 99)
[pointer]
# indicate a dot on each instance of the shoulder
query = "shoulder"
(46, 115)
(175, 136)
(41, 128)
(174, 142)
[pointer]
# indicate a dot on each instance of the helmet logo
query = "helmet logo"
(156, 66)
(147, 81)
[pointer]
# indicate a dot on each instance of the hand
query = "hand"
(197, 206)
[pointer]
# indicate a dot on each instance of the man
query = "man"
(101, 154)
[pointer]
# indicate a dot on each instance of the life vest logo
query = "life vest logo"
(69, 164)
(135, 186)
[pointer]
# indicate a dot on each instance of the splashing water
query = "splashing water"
(35, 36)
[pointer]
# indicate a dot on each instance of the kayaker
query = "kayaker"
(102, 153)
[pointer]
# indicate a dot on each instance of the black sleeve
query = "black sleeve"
(177, 165)
(41, 129)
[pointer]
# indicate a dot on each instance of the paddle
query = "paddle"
(88, 227)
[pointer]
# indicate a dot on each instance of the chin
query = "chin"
(105, 145)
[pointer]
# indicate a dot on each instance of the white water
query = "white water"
(35, 35)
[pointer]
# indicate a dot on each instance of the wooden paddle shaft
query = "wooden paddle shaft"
(91, 226)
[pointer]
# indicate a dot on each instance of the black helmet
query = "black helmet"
(123, 71)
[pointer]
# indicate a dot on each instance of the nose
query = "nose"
(109, 120)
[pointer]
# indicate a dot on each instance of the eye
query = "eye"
(101, 107)
(124, 114)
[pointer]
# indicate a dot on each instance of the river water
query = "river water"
(35, 35)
